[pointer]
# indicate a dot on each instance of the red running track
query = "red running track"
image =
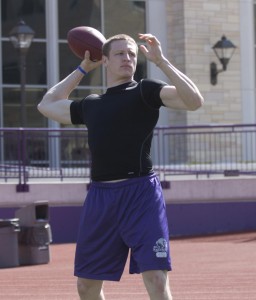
(205, 268)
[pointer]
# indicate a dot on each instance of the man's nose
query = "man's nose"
(126, 56)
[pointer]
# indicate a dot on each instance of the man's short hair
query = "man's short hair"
(119, 37)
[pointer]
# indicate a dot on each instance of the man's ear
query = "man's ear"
(104, 60)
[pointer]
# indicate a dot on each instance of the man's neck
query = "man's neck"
(113, 83)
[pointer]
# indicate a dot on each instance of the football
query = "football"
(84, 38)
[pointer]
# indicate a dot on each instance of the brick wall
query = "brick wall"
(193, 27)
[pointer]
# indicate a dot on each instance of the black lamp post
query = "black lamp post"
(224, 50)
(21, 37)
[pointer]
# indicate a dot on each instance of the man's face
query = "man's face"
(122, 59)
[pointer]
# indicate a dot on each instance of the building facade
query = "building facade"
(187, 30)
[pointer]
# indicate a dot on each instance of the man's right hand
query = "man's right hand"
(89, 65)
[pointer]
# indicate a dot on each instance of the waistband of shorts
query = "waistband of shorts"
(123, 183)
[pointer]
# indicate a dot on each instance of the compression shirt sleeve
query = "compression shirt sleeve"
(150, 90)
(76, 112)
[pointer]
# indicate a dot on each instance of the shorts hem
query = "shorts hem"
(98, 277)
(151, 268)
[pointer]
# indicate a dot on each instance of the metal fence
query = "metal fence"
(229, 150)
(38, 153)
(42, 153)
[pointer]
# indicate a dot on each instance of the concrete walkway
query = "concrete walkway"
(207, 268)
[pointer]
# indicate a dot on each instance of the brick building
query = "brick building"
(187, 30)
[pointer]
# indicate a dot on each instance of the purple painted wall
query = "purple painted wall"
(211, 218)
(64, 222)
(184, 219)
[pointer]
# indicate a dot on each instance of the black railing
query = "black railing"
(38, 153)
(209, 149)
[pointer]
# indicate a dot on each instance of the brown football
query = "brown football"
(84, 38)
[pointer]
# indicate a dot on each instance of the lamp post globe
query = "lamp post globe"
(21, 36)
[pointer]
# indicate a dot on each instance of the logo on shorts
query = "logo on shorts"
(161, 248)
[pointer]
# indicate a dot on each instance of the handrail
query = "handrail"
(48, 153)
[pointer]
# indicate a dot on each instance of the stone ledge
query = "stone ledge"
(180, 191)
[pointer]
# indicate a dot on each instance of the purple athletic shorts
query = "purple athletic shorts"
(119, 216)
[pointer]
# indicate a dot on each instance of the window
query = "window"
(32, 11)
(108, 16)
(127, 17)
(33, 14)
(255, 35)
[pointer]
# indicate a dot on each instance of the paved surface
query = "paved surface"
(207, 268)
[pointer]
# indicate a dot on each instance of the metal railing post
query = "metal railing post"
(22, 185)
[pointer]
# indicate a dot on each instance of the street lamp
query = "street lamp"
(224, 50)
(21, 37)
